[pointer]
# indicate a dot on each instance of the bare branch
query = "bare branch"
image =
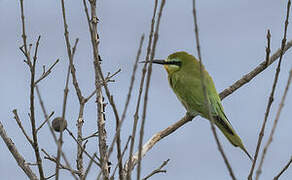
(18, 157)
(158, 170)
(50, 176)
(268, 48)
(95, 134)
(128, 166)
(249, 76)
(284, 169)
(158, 136)
(127, 101)
(259, 170)
(45, 121)
(82, 149)
(46, 73)
(53, 159)
(147, 87)
(16, 117)
(119, 160)
(32, 79)
(271, 98)
(92, 24)
(89, 166)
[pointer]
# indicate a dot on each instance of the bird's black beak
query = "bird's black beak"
(156, 61)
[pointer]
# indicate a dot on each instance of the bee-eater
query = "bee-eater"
(185, 80)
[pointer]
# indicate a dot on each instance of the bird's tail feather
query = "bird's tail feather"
(230, 133)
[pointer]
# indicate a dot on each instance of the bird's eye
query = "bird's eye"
(178, 63)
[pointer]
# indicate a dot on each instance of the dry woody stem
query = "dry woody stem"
(259, 170)
(17, 156)
(147, 87)
(128, 166)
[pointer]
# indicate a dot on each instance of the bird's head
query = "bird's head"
(176, 61)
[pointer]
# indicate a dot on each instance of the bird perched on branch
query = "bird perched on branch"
(184, 77)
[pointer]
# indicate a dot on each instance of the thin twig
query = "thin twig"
(124, 150)
(157, 137)
(82, 149)
(206, 96)
(147, 87)
(49, 177)
(268, 48)
(89, 166)
(284, 169)
(120, 163)
(32, 114)
(128, 166)
(32, 79)
(90, 96)
(158, 170)
(46, 73)
(109, 77)
(127, 101)
(260, 68)
(17, 156)
(95, 134)
(271, 97)
(45, 121)
(16, 117)
(61, 166)
(259, 170)
(24, 34)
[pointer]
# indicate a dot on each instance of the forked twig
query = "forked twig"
(158, 170)
(31, 65)
(16, 117)
(46, 73)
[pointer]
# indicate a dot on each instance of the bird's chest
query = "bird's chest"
(184, 88)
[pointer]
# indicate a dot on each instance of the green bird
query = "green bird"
(185, 80)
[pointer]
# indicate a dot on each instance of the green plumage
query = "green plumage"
(184, 78)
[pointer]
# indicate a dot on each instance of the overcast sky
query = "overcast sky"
(233, 41)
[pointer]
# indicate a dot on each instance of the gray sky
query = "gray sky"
(233, 41)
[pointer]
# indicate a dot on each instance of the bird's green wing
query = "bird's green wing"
(222, 122)
(189, 91)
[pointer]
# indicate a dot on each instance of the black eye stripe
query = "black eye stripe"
(178, 63)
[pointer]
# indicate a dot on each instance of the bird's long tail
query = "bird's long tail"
(226, 128)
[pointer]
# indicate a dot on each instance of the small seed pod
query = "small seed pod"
(59, 124)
